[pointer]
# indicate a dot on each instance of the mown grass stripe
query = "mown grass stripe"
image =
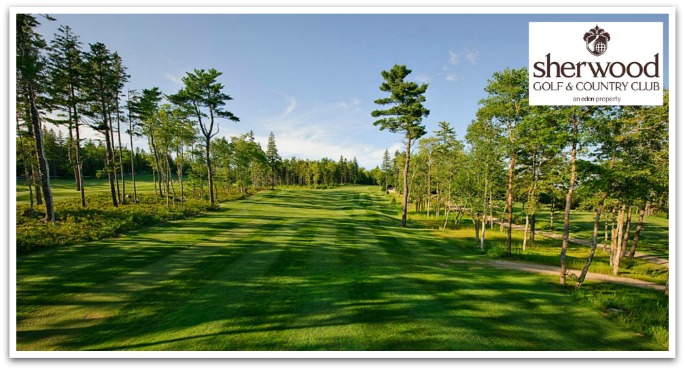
(108, 299)
(311, 270)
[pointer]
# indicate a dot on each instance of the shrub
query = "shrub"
(99, 220)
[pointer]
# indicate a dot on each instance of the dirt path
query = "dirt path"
(554, 270)
(587, 243)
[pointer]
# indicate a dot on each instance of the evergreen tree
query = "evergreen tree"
(31, 75)
(386, 168)
(449, 158)
(101, 90)
(272, 158)
(203, 95)
(404, 116)
(132, 100)
(120, 79)
(66, 69)
(146, 109)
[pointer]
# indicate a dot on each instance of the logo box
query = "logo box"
(601, 63)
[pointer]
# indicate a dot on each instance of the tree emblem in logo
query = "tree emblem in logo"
(596, 41)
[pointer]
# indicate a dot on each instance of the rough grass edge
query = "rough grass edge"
(644, 311)
(100, 220)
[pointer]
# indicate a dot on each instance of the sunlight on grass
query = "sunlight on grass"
(300, 269)
(543, 250)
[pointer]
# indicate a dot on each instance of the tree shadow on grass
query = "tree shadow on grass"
(348, 280)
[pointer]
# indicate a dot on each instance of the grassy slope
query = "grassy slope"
(295, 270)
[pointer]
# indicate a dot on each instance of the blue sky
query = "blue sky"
(312, 79)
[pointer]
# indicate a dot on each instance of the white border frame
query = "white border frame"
(669, 10)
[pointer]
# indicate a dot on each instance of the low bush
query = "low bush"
(99, 220)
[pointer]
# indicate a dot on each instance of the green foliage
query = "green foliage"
(272, 157)
(103, 80)
(249, 161)
(146, 106)
(31, 63)
(482, 171)
(404, 116)
(66, 68)
(386, 168)
(202, 96)
(273, 160)
(75, 224)
(507, 101)
(406, 104)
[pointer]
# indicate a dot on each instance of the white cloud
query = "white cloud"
(451, 77)
(423, 78)
(326, 130)
(454, 57)
(174, 79)
(350, 105)
(292, 103)
(472, 55)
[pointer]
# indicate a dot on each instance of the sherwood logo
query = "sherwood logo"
(628, 73)
(596, 41)
(548, 68)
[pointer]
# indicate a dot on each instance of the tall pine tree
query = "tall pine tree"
(66, 69)
(404, 116)
(101, 89)
(272, 158)
(31, 74)
(203, 95)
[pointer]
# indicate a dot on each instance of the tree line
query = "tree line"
(68, 85)
(609, 159)
(56, 148)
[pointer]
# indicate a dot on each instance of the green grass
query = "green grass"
(100, 220)
(298, 270)
(543, 250)
(644, 310)
(653, 237)
(546, 251)
(64, 189)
